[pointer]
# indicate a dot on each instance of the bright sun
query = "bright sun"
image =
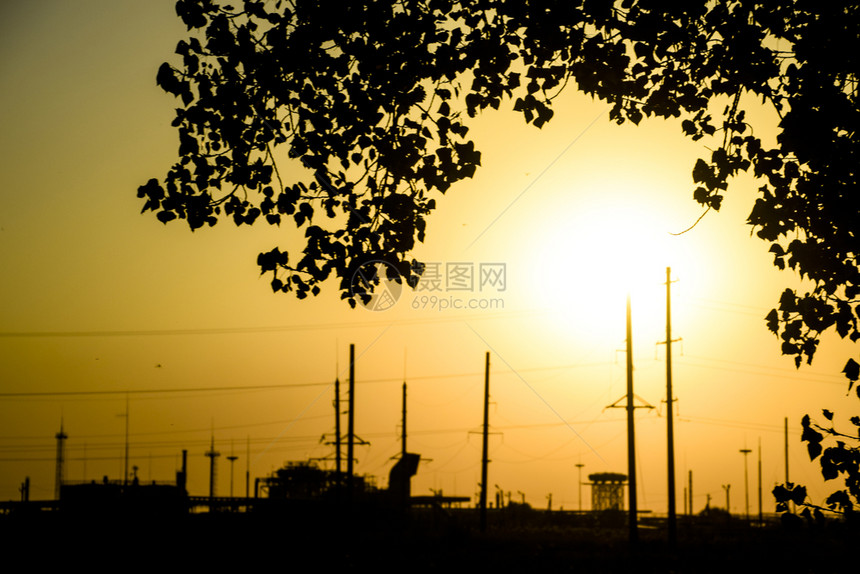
(593, 254)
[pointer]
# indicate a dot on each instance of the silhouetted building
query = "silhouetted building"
(115, 498)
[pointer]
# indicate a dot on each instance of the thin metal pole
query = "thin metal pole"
(248, 468)
(232, 458)
(125, 468)
(337, 461)
(350, 424)
(61, 460)
(403, 429)
(690, 490)
(485, 444)
(760, 512)
(670, 429)
(791, 505)
(579, 466)
(745, 452)
(786, 450)
(631, 433)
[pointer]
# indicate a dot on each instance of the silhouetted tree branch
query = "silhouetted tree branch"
(374, 100)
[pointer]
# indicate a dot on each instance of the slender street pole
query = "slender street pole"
(579, 466)
(232, 458)
(745, 452)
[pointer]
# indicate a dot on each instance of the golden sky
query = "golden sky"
(576, 212)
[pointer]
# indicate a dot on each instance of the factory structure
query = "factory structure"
(331, 482)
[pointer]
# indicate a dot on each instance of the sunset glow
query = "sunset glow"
(100, 304)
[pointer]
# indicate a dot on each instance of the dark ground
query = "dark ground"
(427, 540)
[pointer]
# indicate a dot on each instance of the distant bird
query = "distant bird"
(158, 366)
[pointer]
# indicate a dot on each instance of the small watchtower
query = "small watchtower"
(607, 490)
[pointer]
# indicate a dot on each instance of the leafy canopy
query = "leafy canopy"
(374, 99)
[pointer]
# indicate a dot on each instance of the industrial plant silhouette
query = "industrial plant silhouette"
(315, 507)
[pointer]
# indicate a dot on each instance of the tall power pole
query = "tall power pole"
(61, 460)
(760, 513)
(403, 427)
(670, 429)
(125, 456)
(631, 433)
(690, 490)
(485, 444)
(232, 458)
(786, 458)
(248, 469)
(350, 425)
(786, 450)
(212, 455)
(337, 462)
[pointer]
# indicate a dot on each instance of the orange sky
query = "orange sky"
(150, 307)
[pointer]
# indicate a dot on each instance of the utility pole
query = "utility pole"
(248, 469)
(25, 490)
(232, 458)
(403, 427)
(61, 460)
(350, 425)
(579, 466)
(760, 513)
(125, 466)
(485, 444)
(727, 488)
(631, 433)
(786, 450)
(690, 490)
(670, 429)
(337, 462)
(745, 452)
(212, 454)
(791, 505)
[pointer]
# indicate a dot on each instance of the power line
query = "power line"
(244, 388)
(759, 374)
(250, 330)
